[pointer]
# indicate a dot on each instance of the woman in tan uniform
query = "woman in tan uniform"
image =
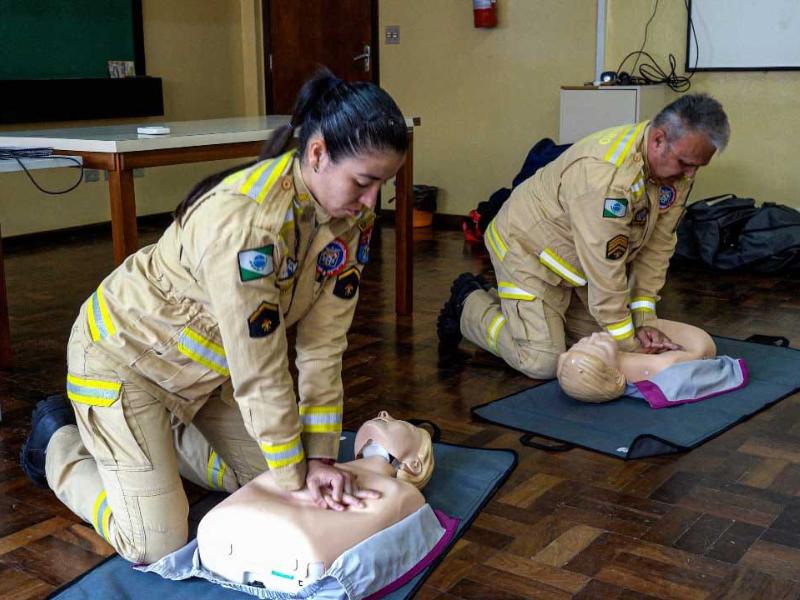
(252, 252)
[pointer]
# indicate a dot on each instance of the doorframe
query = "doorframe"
(374, 43)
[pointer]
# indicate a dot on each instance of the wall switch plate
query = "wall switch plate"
(392, 33)
(91, 175)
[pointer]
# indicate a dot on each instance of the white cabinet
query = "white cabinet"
(585, 110)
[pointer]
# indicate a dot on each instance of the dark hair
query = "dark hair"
(695, 112)
(353, 117)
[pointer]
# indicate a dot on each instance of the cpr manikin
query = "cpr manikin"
(284, 541)
(595, 370)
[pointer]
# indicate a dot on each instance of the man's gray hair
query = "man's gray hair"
(695, 112)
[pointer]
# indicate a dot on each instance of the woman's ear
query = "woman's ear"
(315, 150)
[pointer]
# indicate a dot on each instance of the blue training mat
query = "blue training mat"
(629, 428)
(463, 482)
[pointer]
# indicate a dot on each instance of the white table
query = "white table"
(118, 149)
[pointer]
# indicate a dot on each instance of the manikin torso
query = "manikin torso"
(261, 530)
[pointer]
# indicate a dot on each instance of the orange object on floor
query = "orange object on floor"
(422, 218)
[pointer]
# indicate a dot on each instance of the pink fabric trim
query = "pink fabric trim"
(450, 525)
(656, 399)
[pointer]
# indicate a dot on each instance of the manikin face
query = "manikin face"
(400, 438)
(599, 344)
(671, 161)
(344, 187)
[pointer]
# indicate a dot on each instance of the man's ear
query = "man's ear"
(659, 137)
(414, 467)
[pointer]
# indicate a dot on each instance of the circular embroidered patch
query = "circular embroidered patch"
(332, 259)
(666, 197)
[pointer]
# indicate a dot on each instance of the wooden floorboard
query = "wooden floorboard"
(722, 521)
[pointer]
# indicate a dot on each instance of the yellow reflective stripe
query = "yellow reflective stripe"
(276, 172)
(622, 330)
(100, 324)
(254, 176)
(494, 330)
(628, 145)
(282, 455)
(562, 268)
(95, 392)
(637, 187)
(495, 241)
(101, 515)
(321, 419)
(206, 352)
(643, 303)
(506, 289)
(615, 145)
(90, 316)
(215, 471)
(104, 312)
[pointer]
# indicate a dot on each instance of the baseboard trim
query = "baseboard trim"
(39, 239)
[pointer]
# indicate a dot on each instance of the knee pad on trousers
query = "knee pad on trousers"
(538, 364)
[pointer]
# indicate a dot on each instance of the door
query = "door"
(301, 35)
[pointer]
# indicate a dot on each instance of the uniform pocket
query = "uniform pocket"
(110, 416)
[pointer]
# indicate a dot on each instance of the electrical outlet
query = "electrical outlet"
(91, 175)
(392, 34)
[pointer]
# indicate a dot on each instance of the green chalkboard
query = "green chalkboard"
(60, 39)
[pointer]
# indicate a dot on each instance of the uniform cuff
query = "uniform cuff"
(321, 445)
(292, 477)
(643, 309)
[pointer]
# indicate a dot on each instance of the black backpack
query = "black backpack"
(730, 233)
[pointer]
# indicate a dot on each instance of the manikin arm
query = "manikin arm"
(696, 343)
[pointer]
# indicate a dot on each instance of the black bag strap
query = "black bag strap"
(769, 340)
(436, 432)
(546, 445)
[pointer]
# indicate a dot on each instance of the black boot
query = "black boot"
(448, 325)
(49, 416)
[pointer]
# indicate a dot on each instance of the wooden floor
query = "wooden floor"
(722, 521)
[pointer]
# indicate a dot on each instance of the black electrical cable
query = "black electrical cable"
(651, 73)
(17, 154)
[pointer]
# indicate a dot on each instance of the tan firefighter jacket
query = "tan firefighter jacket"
(214, 297)
(594, 218)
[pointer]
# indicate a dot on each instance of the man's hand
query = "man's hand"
(334, 488)
(653, 341)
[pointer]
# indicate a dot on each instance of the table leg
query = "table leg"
(404, 235)
(5, 329)
(123, 213)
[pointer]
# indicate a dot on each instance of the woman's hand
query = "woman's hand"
(654, 341)
(334, 488)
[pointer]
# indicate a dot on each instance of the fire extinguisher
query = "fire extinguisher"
(485, 13)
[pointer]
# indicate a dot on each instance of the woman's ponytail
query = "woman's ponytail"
(353, 118)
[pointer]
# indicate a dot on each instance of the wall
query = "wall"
(197, 48)
(484, 96)
(762, 106)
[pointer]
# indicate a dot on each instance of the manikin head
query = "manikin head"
(408, 444)
(684, 136)
(589, 371)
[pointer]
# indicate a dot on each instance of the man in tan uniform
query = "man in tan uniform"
(585, 243)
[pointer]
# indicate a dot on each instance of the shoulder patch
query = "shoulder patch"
(256, 263)
(616, 247)
(615, 208)
(666, 197)
(332, 259)
(264, 320)
(347, 284)
(640, 218)
(363, 245)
